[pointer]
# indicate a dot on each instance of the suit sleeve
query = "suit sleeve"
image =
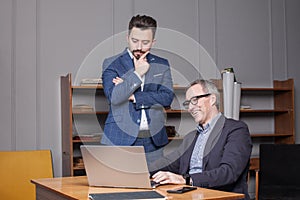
(118, 94)
(162, 94)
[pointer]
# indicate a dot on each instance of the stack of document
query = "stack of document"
(82, 108)
(91, 81)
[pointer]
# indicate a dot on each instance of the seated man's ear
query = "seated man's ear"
(213, 99)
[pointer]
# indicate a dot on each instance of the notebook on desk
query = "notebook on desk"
(116, 166)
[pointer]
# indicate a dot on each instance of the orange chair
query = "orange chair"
(17, 168)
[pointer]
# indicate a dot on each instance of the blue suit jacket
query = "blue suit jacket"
(123, 121)
(226, 157)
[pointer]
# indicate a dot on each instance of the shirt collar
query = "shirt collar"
(130, 53)
(210, 124)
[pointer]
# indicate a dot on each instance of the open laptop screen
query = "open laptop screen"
(116, 166)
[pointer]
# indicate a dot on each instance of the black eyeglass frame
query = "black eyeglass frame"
(194, 100)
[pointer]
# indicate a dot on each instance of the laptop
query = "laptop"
(116, 166)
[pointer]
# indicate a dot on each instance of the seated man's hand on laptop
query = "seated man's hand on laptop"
(168, 178)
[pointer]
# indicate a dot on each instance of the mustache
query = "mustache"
(138, 55)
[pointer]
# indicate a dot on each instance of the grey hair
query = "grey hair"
(208, 87)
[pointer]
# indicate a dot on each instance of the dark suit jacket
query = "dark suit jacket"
(123, 121)
(226, 157)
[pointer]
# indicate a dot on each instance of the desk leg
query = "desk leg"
(256, 184)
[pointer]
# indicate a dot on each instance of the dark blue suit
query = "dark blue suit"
(226, 157)
(123, 121)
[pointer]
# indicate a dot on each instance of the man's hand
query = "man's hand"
(141, 65)
(117, 80)
(168, 178)
(131, 98)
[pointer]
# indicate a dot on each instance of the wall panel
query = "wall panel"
(7, 113)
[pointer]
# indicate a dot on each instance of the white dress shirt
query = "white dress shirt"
(144, 122)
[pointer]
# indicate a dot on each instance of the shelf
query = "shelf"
(106, 112)
(88, 87)
(78, 168)
(94, 140)
(176, 138)
(264, 135)
(171, 111)
(177, 87)
(91, 113)
(256, 135)
(264, 110)
(100, 86)
(266, 89)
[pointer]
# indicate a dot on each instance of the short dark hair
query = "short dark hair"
(143, 22)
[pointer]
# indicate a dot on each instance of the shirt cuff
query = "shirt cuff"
(134, 101)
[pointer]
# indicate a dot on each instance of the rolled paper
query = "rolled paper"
(236, 100)
(228, 79)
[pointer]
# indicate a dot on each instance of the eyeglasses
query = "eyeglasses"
(194, 100)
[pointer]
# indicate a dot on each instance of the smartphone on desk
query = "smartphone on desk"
(182, 190)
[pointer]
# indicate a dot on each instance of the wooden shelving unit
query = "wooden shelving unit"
(283, 111)
(282, 94)
(70, 144)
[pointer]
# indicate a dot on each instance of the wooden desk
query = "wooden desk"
(77, 188)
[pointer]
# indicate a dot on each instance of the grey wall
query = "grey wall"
(41, 40)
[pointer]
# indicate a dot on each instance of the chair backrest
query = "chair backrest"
(279, 176)
(17, 168)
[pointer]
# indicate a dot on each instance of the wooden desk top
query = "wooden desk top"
(77, 188)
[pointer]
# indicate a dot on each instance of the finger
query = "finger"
(158, 180)
(134, 59)
(162, 179)
(156, 175)
(144, 55)
(118, 79)
(164, 182)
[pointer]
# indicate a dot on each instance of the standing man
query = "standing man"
(216, 155)
(138, 86)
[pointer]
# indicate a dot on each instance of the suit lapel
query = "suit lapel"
(126, 60)
(214, 135)
(149, 74)
(188, 148)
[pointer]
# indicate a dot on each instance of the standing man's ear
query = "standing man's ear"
(153, 42)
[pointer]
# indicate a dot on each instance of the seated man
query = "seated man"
(216, 155)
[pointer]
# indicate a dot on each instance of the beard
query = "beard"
(137, 53)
